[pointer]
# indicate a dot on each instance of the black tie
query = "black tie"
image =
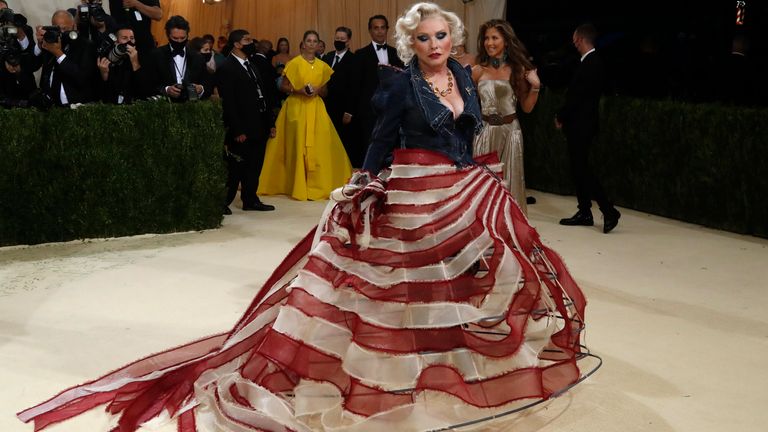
(56, 87)
(380, 47)
(179, 53)
(336, 60)
(250, 71)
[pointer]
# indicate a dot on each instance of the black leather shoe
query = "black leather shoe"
(530, 200)
(580, 219)
(258, 206)
(610, 221)
(227, 211)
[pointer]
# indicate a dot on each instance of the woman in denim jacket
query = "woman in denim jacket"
(423, 300)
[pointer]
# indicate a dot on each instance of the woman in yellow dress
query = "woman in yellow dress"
(306, 159)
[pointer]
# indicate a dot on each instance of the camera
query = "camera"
(54, 34)
(111, 50)
(188, 91)
(91, 8)
(10, 48)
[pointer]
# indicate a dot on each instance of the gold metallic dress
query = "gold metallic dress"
(497, 97)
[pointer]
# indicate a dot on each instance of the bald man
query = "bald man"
(69, 65)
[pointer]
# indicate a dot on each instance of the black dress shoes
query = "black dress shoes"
(227, 211)
(258, 206)
(579, 219)
(610, 220)
(530, 200)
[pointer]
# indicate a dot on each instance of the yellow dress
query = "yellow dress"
(306, 159)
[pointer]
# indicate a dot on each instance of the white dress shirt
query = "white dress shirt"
(381, 54)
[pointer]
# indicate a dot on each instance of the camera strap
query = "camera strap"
(180, 71)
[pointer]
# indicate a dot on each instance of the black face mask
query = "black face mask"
(249, 49)
(339, 45)
(177, 46)
(207, 57)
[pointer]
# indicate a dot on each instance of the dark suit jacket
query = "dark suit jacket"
(77, 72)
(581, 112)
(123, 80)
(343, 88)
(368, 70)
(268, 76)
(243, 113)
(164, 71)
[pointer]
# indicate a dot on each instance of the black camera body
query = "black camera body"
(91, 8)
(54, 34)
(188, 91)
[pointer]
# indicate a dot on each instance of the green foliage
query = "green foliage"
(107, 171)
(700, 163)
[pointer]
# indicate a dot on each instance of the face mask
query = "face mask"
(249, 49)
(207, 57)
(339, 45)
(178, 45)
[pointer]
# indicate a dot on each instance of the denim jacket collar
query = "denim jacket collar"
(436, 113)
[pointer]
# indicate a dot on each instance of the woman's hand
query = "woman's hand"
(533, 78)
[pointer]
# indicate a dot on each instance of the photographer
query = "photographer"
(179, 72)
(67, 60)
(93, 22)
(17, 81)
(138, 15)
(122, 77)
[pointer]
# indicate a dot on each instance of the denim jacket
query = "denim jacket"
(410, 115)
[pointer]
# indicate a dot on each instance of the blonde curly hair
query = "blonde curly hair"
(411, 19)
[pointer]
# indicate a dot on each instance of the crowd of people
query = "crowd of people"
(315, 111)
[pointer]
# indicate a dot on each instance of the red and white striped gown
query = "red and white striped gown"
(418, 303)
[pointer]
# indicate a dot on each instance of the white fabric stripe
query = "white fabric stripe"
(329, 338)
(401, 371)
(418, 315)
(414, 221)
(269, 412)
(411, 171)
(384, 276)
(431, 196)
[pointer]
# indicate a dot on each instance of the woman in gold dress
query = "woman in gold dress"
(505, 78)
(306, 159)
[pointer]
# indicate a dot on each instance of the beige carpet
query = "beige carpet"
(676, 311)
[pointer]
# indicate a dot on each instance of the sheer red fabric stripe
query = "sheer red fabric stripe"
(460, 289)
(403, 341)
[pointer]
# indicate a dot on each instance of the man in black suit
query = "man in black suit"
(248, 121)
(179, 72)
(579, 121)
(69, 65)
(268, 75)
(123, 78)
(743, 89)
(341, 100)
(368, 59)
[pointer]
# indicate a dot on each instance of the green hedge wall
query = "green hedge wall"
(106, 171)
(700, 163)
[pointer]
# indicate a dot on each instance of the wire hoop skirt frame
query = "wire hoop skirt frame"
(422, 301)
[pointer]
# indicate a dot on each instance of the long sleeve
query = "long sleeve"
(389, 107)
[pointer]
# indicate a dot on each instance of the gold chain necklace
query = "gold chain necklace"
(437, 91)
